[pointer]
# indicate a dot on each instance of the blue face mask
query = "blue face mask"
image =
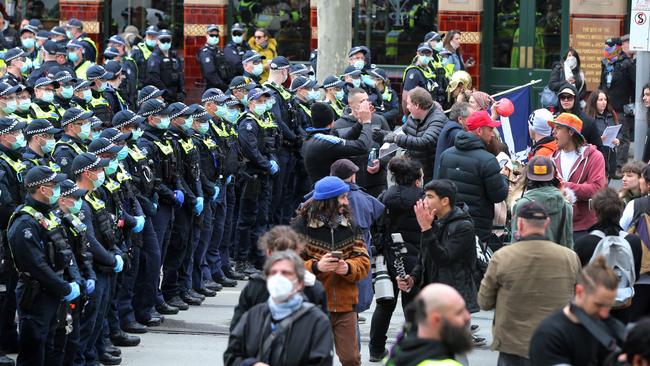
(232, 115)
(187, 125)
(136, 134)
(245, 100)
(258, 69)
(151, 43)
(84, 133)
(438, 47)
(339, 94)
(49, 146)
(48, 96)
(165, 46)
(24, 104)
(259, 109)
(445, 61)
(313, 94)
(88, 95)
(10, 107)
(359, 64)
(112, 167)
(164, 123)
(102, 86)
(101, 177)
(221, 111)
(68, 34)
(28, 43)
(368, 81)
(19, 143)
(73, 56)
(76, 207)
(56, 193)
(96, 135)
(24, 68)
(67, 91)
(269, 104)
(356, 83)
(123, 153)
(203, 128)
(424, 60)
(213, 40)
(238, 39)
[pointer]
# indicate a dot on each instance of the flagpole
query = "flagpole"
(532, 82)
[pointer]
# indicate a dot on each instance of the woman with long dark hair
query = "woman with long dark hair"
(452, 44)
(398, 217)
(599, 109)
(568, 71)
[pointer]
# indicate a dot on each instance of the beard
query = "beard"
(458, 340)
(494, 146)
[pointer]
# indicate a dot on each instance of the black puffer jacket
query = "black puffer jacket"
(448, 255)
(476, 173)
(399, 217)
(307, 341)
(421, 138)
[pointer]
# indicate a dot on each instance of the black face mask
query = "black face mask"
(457, 339)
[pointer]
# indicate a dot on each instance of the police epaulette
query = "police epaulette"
(329, 138)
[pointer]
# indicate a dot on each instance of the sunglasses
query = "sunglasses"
(165, 41)
(567, 97)
(237, 33)
(260, 37)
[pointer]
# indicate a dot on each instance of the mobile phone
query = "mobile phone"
(397, 237)
(337, 254)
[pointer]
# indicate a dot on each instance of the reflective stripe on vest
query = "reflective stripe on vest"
(122, 174)
(17, 166)
(40, 113)
(72, 145)
(111, 185)
(280, 89)
(165, 148)
(96, 203)
(92, 43)
(82, 69)
(146, 52)
(48, 224)
(447, 362)
(187, 145)
(97, 102)
(262, 123)
(135, 153)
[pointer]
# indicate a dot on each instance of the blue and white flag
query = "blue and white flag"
(514, 129)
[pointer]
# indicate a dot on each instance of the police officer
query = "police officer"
(12, 171)
(189, 173)
(334, 94)
(155, 144)
(240, 86)
(165, 70)
(140, 169)
(388, 103)
(41, 257)
(76, 133)
(23, 102)
(28, 43)
(143, 50)
(352, 77)
(64, 93)
(224, 112)
(98, 76)
(129, 85)
(419, 74)
(55, 57)
(82, 94)
(236, 48)
(253, 67)
(257, 138)
(299, 70)
(216, 71)
(66, 341)
(283, 113)
(16, 66)
(57, 34)
(8, 104)
(74, 32)
(40, 135)
(78, 58)
(43, 103)
(150, 92)
(112, 94)
(101, 226)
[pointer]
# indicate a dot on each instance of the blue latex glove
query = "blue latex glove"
(155, 207)
(217, 189)
(119, 264)
(139, 224)
(74, 292)
(404, 119)
(274, 167)
(229, 179)
(198, 207)
(90, 286)
(179, 197)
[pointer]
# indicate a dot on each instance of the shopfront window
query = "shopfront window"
(287, 21)
(393, 28)
(165, 14)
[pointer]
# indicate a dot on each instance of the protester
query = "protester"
(635, 208)
(637, 344)
(631, 181)
(456, 123)
(581, 168)
(398, 217)
(421, 130)
(471, 165)
(568, 70)
(542, 186)
(452, 44)
(564, 338)
(262, 43)
(540, 133)
(551, 270)
(442, 329)
(608, 207)
(567, 103)
(336, 254)
(303, 332)
(599, 109)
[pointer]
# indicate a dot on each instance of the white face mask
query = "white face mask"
(280, 288)
(571, 62)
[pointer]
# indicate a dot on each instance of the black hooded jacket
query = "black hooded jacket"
(413, 351)
(589, 130)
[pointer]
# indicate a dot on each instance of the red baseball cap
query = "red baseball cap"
(480, 119)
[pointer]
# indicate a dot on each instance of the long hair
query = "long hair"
(591, 109)
(318, 209)
(447, 42)
(575, 54)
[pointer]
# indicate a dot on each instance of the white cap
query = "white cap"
(538, 121)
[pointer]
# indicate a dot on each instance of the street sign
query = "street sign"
(640, 26)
